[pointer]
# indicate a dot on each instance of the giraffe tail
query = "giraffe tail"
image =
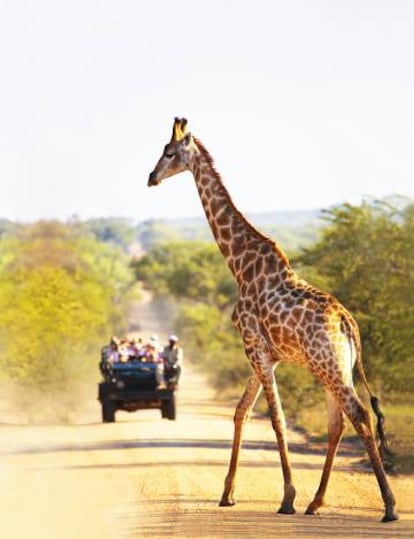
(384, 447)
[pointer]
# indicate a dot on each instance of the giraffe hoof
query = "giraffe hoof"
(389, 517)
(313, 509)
(310, 511)
(286, 509)
(226, 503)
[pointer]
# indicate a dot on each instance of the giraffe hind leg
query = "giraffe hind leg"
(361, 420)
(336, 426)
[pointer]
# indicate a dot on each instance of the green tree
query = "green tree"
(60, 297)
(117, 230)
(191, 270)
(365, 258)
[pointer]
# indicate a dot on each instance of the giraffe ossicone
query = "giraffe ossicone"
(281, 318)
(179, 129)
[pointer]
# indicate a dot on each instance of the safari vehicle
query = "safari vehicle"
(132, 386)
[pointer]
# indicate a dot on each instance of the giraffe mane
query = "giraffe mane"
(247, 223)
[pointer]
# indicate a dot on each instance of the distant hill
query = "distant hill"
(291, 229)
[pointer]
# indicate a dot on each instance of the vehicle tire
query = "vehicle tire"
(164, 409)
(170, 408)
(108, 411)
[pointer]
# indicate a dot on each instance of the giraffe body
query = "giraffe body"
(281, 318)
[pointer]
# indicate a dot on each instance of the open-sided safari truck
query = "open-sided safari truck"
(132, 386)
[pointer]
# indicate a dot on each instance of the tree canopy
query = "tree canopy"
(365, 258)
(59, 298)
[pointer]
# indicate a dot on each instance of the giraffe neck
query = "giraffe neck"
(244, 248)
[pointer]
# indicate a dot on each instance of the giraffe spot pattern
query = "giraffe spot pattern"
(277, 312)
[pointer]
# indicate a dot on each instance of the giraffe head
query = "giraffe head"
(177, 154)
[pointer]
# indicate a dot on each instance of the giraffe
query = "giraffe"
(281, 318)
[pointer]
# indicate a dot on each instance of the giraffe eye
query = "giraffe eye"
(169, 155)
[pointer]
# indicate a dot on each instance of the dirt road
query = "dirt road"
(148, 477)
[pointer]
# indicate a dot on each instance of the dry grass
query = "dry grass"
(399, 427)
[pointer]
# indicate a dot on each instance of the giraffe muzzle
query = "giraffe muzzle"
(152, 180)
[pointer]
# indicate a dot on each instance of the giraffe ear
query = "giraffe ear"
(187, 139)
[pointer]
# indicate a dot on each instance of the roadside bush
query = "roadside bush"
(60, 297)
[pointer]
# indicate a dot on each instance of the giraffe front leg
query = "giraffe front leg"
(279, 426)
(241, 415)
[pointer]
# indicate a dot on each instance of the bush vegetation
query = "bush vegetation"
(365, 258)
(60, 296)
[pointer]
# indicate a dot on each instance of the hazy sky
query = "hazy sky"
(303, 104)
